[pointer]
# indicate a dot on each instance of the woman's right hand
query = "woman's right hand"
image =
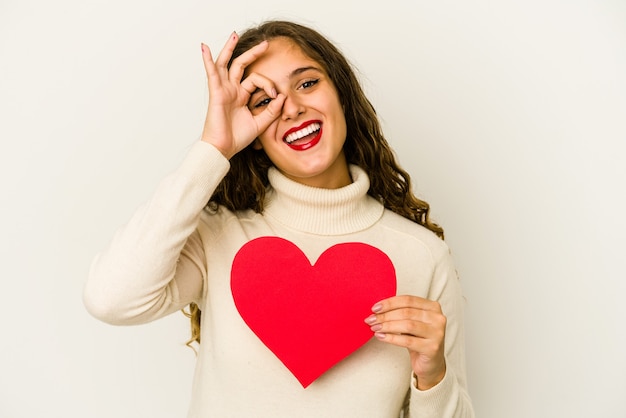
(229, 124)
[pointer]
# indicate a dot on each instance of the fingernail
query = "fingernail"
(274, 93)
(379, 335)
(377, 308)
(370, 319)
(376, 327)
(202, 47)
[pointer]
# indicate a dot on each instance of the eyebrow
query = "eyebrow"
(293, 74)
(301, 70)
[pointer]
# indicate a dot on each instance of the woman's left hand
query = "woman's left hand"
(418, 325)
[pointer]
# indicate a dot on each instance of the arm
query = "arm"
(156, 263)
(432, 330)
(449, 397)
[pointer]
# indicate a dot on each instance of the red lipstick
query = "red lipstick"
(294, 135)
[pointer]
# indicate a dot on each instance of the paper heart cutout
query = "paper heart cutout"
(310, 316)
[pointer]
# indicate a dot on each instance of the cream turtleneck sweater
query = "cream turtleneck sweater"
(173, 252)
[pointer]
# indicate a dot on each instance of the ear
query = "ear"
(256, 144)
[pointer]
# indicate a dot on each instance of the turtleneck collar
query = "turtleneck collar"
(322, 211)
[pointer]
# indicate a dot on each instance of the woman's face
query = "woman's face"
(306, 141)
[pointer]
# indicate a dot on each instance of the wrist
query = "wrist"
(426, 382)
(228, 155)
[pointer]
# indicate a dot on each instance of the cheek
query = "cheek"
(335, 108)
(340, 120)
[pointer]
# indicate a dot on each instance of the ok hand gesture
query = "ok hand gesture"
(229, 125)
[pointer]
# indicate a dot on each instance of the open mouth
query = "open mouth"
(304, 136)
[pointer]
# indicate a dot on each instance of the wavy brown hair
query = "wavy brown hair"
(246, 182)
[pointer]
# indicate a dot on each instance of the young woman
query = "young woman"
(294, 166)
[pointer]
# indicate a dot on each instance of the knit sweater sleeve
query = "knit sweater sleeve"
(155, 264)
(449, 398)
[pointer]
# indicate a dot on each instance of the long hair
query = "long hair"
(246, 182)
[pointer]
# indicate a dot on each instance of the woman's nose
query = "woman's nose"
(292, 108)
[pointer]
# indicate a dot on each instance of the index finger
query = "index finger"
(239, 64)
(406, 301)
(227, 51)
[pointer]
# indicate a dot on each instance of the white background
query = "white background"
(508, 114)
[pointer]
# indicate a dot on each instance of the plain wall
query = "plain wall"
(509, 116)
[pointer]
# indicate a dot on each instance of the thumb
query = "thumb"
(271, 113)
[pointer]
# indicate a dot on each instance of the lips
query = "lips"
(305, 136)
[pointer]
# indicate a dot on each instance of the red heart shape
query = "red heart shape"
(310, 317)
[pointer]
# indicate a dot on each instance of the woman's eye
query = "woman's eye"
(309, 83)
(263, 102)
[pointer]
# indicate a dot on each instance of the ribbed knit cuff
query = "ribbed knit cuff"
(206, 166)
(436, 402)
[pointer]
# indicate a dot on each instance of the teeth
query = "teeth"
(294, 136)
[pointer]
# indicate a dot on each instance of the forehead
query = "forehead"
(281, 58)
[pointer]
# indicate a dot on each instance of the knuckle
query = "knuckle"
(414, 328)
(406, 299)
(271, 111)
(406, 312)
(440, 320)
(434, 348)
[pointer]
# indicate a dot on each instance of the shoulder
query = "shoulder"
(423, 263)
(415, 234)
(214, 222)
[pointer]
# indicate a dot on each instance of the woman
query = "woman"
(294, 166)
